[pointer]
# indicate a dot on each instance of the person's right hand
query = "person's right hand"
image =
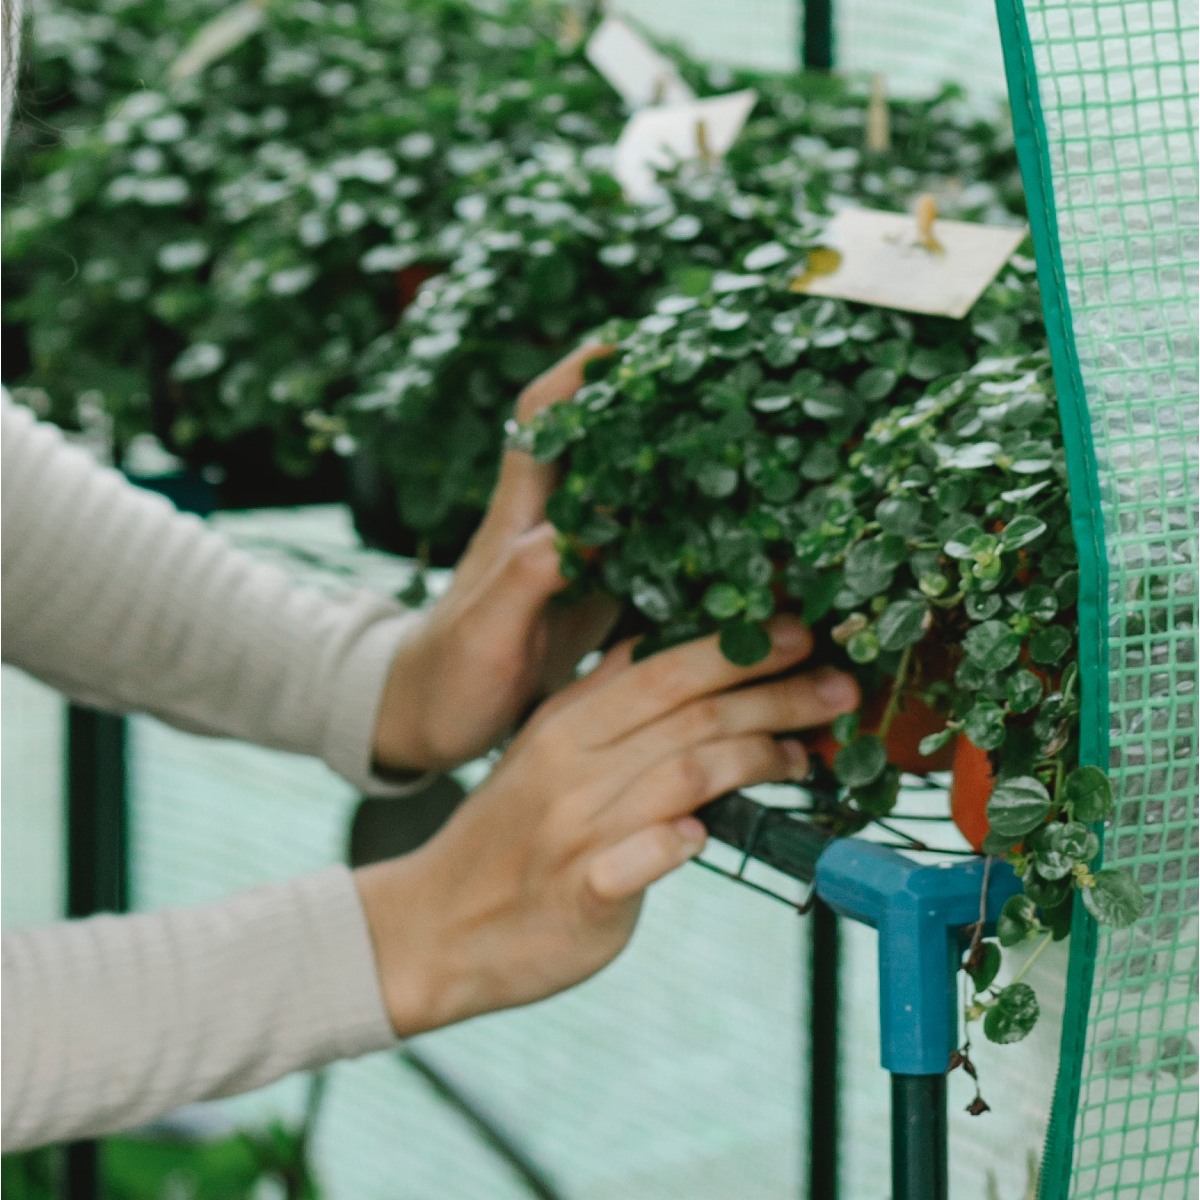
(536, 882)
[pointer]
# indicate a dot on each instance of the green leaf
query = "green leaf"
(770, 254)
(1060, 847)
(997, 846)
(878, 798)
(845, 727)
(992, 645)
(901, 624)
(984, 724)
(960, 543)
(875, 383)
(863, 647)
(1014, 1014)
(1020, 531)
(1017, 806)
(1114, 898)
(716, 480)
(1088, 794)
(900, 515)
(723, 601)
(982, 607)
(1038, 602)
(1024, 691)
(861, 762)
(1018, 921)
(745, 643)
(986, 966)
(931, 743)
(1048, 645)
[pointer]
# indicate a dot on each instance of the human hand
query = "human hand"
(492, 645)
(536, 881)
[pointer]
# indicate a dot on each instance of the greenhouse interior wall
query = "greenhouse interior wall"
(681, 1073)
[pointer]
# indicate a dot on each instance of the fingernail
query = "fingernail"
(789, 635)
(693, 832)
(797, 756)
(838, 691)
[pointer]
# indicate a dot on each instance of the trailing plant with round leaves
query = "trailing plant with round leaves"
(548, 249)
(899, 481)
(211, 253)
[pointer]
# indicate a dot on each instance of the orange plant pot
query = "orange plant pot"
(970, 790)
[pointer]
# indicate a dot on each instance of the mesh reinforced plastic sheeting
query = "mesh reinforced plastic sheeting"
(1104, 95)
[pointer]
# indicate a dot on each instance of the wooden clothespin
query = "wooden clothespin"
(879, 117)
(926, 213)
(703, 145)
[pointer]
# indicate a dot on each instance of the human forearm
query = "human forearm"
(112, 1021)
(118, 600)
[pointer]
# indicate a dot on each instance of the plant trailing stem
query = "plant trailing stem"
(897, 693)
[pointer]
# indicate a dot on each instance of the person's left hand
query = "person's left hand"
(492, 645)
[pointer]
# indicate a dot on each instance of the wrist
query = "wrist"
(398, 748)
(423, 979)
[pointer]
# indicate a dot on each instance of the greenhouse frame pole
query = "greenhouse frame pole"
(97, 863)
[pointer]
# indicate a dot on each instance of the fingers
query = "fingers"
(560, 382)
(681, 782)
(611, 665)
(519, 500)
(623, 871)
(513, 596)
(779, 706)
(650, 690)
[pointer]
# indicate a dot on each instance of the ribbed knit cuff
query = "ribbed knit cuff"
(348, 745)
(340, 947)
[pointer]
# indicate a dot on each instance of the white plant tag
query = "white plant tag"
(658, 138)
(638, 72)
(889, 260)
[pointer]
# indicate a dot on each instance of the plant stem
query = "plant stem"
(898, 686)
(1049, 937)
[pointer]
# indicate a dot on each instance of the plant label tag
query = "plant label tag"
(658, 138)
(638, 72)
(889, 260)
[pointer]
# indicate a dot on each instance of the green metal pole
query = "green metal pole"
(817, 44)
(919, 1138)
(97, 864)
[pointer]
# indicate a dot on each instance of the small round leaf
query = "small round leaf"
(1114, 898)
(1018, 806)
(861, 762)
(1013, 1016)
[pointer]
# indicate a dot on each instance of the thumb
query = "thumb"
(524, 486)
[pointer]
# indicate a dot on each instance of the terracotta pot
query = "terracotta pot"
(970, 791)
(913, 722)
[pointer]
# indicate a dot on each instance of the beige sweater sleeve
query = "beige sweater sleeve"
(116, 599)
(112, 596)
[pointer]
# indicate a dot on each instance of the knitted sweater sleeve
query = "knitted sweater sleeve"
(118, 600)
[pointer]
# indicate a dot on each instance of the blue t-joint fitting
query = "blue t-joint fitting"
(922, 912)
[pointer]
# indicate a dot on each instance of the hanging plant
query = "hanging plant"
(901, 483)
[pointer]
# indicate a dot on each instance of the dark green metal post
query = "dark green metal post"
(817, 43)
(824, 968)
(97, 863)
(919, 1138)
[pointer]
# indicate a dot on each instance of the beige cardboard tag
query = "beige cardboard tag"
(657, 138)
(638, 72)
(912, 263)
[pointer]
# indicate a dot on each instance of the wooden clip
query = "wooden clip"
(879, 117)
(703, 145)
(926, 213)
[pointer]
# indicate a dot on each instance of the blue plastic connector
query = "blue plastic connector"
(921, 912)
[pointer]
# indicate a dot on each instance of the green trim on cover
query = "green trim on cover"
(1087, 524)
